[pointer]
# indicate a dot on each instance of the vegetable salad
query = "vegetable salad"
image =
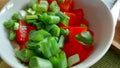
(51, 34)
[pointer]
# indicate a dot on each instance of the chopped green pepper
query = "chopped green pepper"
(12, 35)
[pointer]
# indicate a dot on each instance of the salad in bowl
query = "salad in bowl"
(57, 33)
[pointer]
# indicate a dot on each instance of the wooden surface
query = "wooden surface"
(116, 41)
(2, 3)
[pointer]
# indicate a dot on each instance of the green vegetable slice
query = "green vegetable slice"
(25, 55)
(54, 7)
(59, 60)
(61, 41)
(85, 37)
(9, 24)
(37, 62)
(63, 18)
(12, 35)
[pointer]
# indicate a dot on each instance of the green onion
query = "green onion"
(53, 19)
(15, 16)
(64, 32)
(8, 24)
(59, 60)
(42, 7)
(61, 41)
(30, 11)
(44, 18)
(31, 17)
(36, 36)
(63, 18)
(55, 31)
(39, 25)
(49, 47)
(32, 45)
(16, 26)
(85, 37)
(73, 60)
(52, 13)
(12, 35)
(22, 14)
(54, 7)
(31, 21)
(25, 55)
(37, 62)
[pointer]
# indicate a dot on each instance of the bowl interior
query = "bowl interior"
(96, 13)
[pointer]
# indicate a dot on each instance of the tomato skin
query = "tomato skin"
(67, 5)
(22, 33)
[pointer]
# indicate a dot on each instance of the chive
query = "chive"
(32, 45)
(43, 6)
(35, 36)
(12, 35)
(54, 7)
(31, 17)
(30, 11)
(45, 48)
(59, 60)
(53, 19)
(61, 41)
(25, 55)
(37, 62)
(44, 18)
(9, 24)
(39, 25)
(55, 31)
(64, 32)
(85, 37)
(63, 18)
(16, 26)
(49, 47)
(15, 16)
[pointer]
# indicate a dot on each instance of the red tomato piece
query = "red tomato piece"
(49, 1)
(22, 33)
(75, 48)
(38, 1)
(79, 12)
(84, 21)
(67, 5)
(74, 19)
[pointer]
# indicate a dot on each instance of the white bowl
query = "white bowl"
(96, 12)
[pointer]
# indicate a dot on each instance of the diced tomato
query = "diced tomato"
(79, 12)
(38, 1)
(74, 19)
(75, 48)
(49, 1)
(67, 5)
(84, 21)
(22, 33)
